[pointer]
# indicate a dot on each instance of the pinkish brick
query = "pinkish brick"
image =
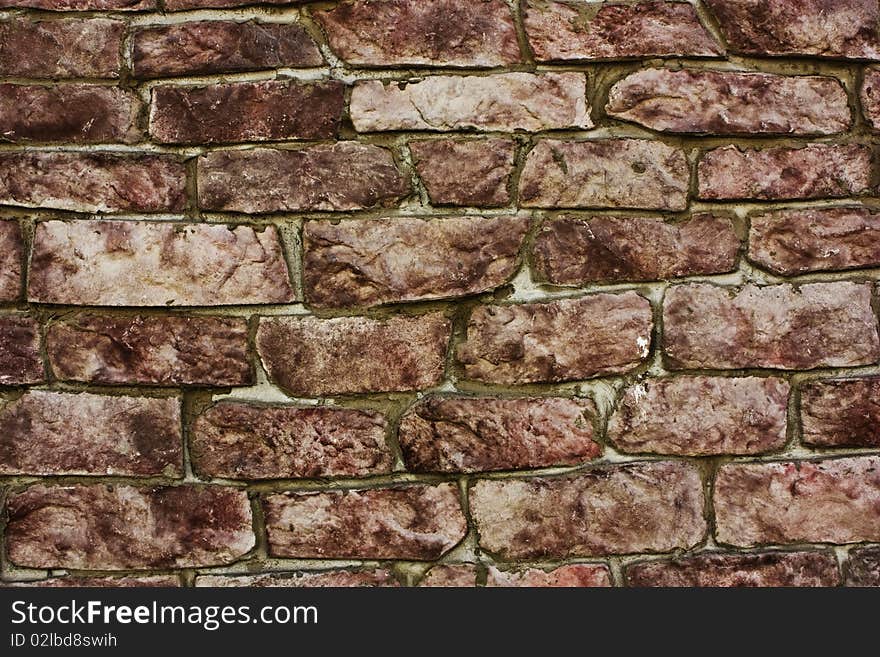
(11, 258)
(20, 360)
(870, 97)
(571, 576)
(163, 581)
(863, 567)
(456, 575)
(330, 578)
(82, 5)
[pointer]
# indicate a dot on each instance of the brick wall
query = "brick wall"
(439, 292)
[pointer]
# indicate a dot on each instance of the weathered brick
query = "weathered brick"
(863, 567)
(343, 176)
(768, 569)
(724, 102)
(93, 182)
(465, 434)
(164, 581)
(839, 29)
(870, 97)
(330, 578)
(700, 415)
(11, 255)
(180, 5)
(61, 433)
(650, 507)
(370, 262)
(503, 102)
(458, 575)
(82, 5)
(310, 357)
(20, 360)
(422, 32)
(102, 527)
(415, 522)
(573, 575)
(833, 501)
(841, 412)
(465, 171)
(66, 48)
(133, 263)
(778, 327)
(210, 47)
(77, 113)
(560, 31)
(561, 340)
(272, 110)
(576, 251)
(769, 174)
(605, 173)
(242, 441)
(152, 350)
(790, 242)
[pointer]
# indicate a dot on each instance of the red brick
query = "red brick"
(102, 582)
(698, 416)
(110, 527)
(310, 357)
(768, 569)
(777, 327)
(240, 441)
(82, 5)
(179, 5)
(841, 412)
(422, 32)
(330, 578)
(135, 263)
(343, 176)
(211, 47)
(66, 48)
(60, 433)
(863, 567)
(731, 103)
(564, 31)
(11, 258)
(561, 340)
(20, 360)
(151, 350)
(571, 576)
(415, 522)
(576, 251)
(870, 97)
(77, 113)
(464, 434)
(649, 507)
(377, 261)
(273, 110)
(833, 501)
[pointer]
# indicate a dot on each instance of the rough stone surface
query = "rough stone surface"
(241, 441)
(769, 174)
(332, 578)
(651, 507)
(870, 97)
(415, 522)
(465, 171)
(93, 182)
(61, 433)
(76, 113)
(572, 576)
(560, 340)
(863, 567)
(211, 47)
(560, 31)
(130, 263)
(833, 501)
(841, 413)
(11, 258)
(66, 48)
(577, 251)
(182, 5)
(769, 569)
(150, 350)
(370, 262)
(790, 242)
(503, 102)
(102, 527)
(724, 102)
(778, 327)
(82, 5)
(343, 176)
(272, 110)
(605, 173)
(102, 582)
(20, 360)
(464, 434)
(819, 28)
(457, 575)
(698, 416)
(311, 357)
(422, 32)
